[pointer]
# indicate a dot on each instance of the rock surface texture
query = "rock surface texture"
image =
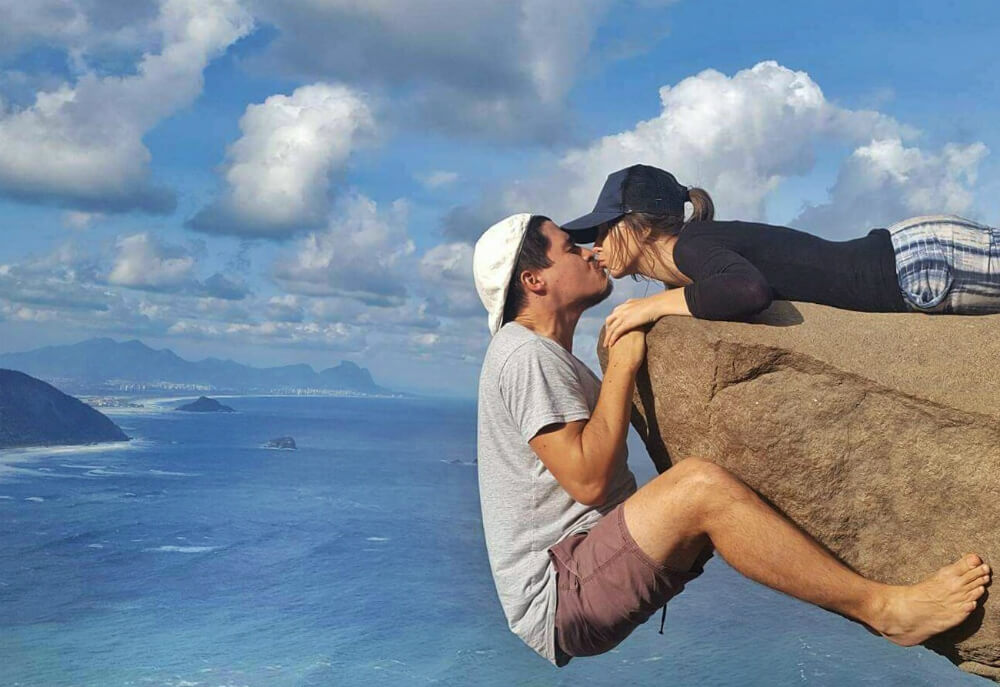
(879, 434)
(281, 442)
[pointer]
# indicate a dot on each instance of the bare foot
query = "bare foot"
(915, 613)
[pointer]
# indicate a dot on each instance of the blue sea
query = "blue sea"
(193, 556)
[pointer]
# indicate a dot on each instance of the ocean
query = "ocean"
(193, 556)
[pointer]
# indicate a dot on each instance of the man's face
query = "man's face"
(574, 277)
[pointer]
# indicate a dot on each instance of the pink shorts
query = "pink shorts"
(606, 587)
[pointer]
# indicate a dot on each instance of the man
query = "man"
(580, 558)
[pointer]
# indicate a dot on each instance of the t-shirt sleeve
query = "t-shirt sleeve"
(539, 389)
(726, 285)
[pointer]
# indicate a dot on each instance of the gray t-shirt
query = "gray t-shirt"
(528, 382)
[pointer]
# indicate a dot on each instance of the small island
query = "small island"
(205, 405)
(287, 443)
(34, 413)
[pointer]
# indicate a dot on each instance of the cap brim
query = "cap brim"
(584, 229)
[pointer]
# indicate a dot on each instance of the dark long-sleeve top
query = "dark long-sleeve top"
(738, 267)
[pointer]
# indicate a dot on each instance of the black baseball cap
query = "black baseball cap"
(639, 188)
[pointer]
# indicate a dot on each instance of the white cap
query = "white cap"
(493, 263)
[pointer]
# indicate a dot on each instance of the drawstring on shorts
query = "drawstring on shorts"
(663, 618)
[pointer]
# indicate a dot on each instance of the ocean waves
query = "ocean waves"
(174, 548)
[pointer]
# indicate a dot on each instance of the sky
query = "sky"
(303, 181)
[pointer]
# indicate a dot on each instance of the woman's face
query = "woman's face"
(617, 250)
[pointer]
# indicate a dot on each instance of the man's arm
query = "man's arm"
(581, 455)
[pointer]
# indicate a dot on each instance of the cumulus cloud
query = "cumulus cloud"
(145, 263)
(43, 20)
(277, 175)
(446, 279)
(736, 136)
(360, 254)
(885, 181)
(65, 279)
(78, 25)
(81, 144)
(496, 67)
(739, 137)
(285, 308)
(55, 290)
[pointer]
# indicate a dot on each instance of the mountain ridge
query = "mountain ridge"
(103, 364)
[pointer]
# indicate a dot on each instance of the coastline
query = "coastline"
(156, 404)
(16, 455)
(158, 401)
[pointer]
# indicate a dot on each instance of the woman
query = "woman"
(732, 270)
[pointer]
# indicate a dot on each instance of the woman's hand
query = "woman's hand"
(632, 314)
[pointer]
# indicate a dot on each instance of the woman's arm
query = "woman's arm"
(734, 293)
(636, 312)
(726, 287)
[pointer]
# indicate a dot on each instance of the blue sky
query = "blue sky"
(302, 181)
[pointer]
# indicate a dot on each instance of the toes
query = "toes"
(978, 583)
(974, 574)
(964, 565)
(976, 593)
(969, 606)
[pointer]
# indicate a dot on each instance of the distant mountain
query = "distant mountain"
(33, 413)
(107, 365)
(205, 405)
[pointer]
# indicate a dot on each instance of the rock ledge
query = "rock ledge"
(879, 434)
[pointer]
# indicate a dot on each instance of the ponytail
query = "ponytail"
(703, 209)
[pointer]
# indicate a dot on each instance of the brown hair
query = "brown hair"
(645, 227)
(534, 255)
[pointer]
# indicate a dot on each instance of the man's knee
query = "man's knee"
(702, 483)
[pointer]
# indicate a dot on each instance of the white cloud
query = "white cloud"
(79, 25)
(885, 181)
(361, 254)
(143, 262)
(739, 137)
(437, 179)
(81, 144)
(221, 310)
(149, 289)
(42, 20)
(278, 173)
(500, 68)
(328, 337)
(446, 279)
(286, 308)
(75, 219)
(428, 339)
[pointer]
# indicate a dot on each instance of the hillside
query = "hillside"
(33, 413)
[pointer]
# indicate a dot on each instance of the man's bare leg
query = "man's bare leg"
(697, 504)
